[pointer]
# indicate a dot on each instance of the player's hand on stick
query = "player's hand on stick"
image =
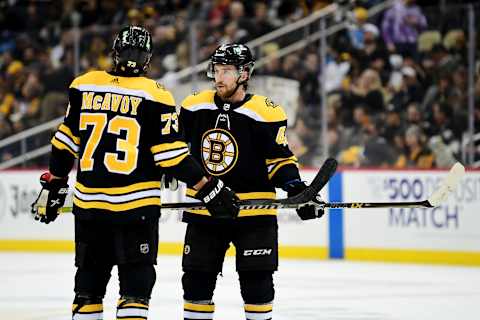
(52, 197)
(219, 199)
(307, 211)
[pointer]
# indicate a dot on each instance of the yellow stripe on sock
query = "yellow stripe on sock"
(199, 307)
(258, 307)
(89, 308)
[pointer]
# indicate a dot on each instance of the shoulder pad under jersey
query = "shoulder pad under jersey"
(101, 81)
(262, 109)
(201, 100)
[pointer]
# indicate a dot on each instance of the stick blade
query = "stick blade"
(449, 184)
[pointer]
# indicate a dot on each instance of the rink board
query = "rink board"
(449, 234)
(19, 232)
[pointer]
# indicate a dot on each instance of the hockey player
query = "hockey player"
(123, 128)
(239, 137)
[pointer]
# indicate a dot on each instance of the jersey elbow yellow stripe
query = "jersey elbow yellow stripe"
(272, 161)
(279, 165)
(168, 146)
(173, 161)
(66, 130)
(62, 146)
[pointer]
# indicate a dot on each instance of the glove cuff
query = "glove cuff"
(210, 190)
(49, 181)
(294, 187)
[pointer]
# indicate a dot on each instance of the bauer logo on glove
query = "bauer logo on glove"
(52, 197)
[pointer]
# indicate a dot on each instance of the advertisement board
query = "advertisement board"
(450, 231)
(19, 231)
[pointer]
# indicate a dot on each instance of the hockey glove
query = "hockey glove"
(307, 211)
(52, 197)
(220, 200)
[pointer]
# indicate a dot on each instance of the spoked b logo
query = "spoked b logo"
(219, 151)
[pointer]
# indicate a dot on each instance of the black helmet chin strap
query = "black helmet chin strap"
(237, 86)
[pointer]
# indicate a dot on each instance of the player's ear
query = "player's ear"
(244, 76)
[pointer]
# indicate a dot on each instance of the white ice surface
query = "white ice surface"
(40, 286)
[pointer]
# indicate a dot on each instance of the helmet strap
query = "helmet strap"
(238, 82)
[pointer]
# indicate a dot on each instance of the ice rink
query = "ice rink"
(39, 286)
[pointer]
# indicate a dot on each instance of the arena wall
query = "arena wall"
(449, 234)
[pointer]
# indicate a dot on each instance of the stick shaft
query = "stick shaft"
(271, 204)
(374, 205)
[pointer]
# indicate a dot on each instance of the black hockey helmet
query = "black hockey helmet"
(235, 54)
(132, 50)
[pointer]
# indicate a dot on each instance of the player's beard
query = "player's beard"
(224, 92)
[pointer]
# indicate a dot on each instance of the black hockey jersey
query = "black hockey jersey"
(123, 130)
(244, 144)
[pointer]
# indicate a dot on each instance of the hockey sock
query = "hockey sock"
(198, 310)
(258, 311)
(87, 311)
(132, 308)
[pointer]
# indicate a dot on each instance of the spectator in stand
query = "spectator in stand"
(377, 152)
(392, 124)
(260, 24)
(418, 154)
(414, 116)
(368, 91)
(356, 31)
(441, 91)
(400, 149)
(401, 26)
(408, 91)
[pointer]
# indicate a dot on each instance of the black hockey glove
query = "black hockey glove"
(305, 212)
(220, 200)
(52, 197)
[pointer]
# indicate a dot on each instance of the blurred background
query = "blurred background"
(390, 84)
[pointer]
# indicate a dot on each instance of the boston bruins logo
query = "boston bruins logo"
(219, 151)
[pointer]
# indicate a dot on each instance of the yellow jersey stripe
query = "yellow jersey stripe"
(120, 190)
(102, 81)
(242, 195)
(272, 161)
(62, 146)
(117, 207)
(66, 130)
(242, 213)
(174, 161)
(168, 146)
(278, 166)
(204, 97)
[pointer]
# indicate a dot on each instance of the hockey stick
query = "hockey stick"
(439, 196)
(306, 196)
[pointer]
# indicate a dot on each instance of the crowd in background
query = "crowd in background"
(396, 82)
